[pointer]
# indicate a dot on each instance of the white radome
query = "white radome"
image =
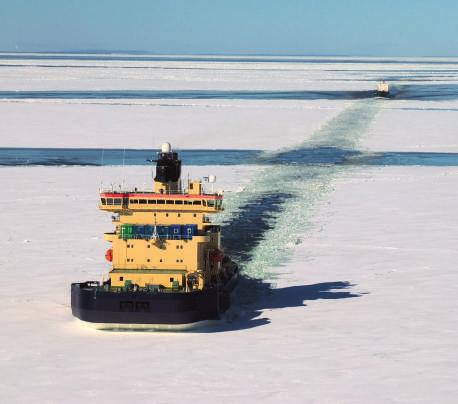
(166, 147)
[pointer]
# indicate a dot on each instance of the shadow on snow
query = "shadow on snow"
(253, 297)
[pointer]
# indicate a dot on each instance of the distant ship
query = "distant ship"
(383, 89)
(167, 264)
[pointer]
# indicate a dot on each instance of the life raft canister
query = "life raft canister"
(109, 255)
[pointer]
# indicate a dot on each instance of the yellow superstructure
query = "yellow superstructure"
(163, 238)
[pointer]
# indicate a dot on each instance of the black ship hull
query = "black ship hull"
(93, 304)
(383, 94)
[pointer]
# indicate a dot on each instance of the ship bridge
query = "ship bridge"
(151, 201)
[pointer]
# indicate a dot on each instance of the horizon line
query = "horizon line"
(225, 54)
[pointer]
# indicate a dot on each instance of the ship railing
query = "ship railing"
(139, 191)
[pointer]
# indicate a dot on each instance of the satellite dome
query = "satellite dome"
(166, 147)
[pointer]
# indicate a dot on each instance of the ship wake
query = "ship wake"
(266, 221)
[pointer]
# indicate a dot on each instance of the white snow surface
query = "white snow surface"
(190, 124)
(361, 261)
(389, 232)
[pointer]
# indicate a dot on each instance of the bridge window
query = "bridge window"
(142, 201)
(204, 203)
(109, 201)
(117, 201)
(211, 203)
(177, 202)
(197, 203)
(160, 202)
(170, 202)
(151, 201)
(104, 201)
(135, 201)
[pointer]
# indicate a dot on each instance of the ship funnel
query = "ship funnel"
(168, 170)
(166, 147)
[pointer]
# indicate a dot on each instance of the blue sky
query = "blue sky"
(316, 27)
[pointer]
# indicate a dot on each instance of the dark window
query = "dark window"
(161, 202)
(204, 203)
(211, 203)
(121, 278)
(170, 201)
(104, 201)
(167, 215)
(117, 201)
(141, 306)
(197, 203)
(142, 201)
(195, 215)
(134, 201)
(149, 246)
(171, 279)
(109, 201)
(152, 201)
(177, 202)
(126, 306)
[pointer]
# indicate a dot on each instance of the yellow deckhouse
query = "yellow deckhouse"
(163, 238)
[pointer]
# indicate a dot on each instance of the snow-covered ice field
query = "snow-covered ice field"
(354, 296)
